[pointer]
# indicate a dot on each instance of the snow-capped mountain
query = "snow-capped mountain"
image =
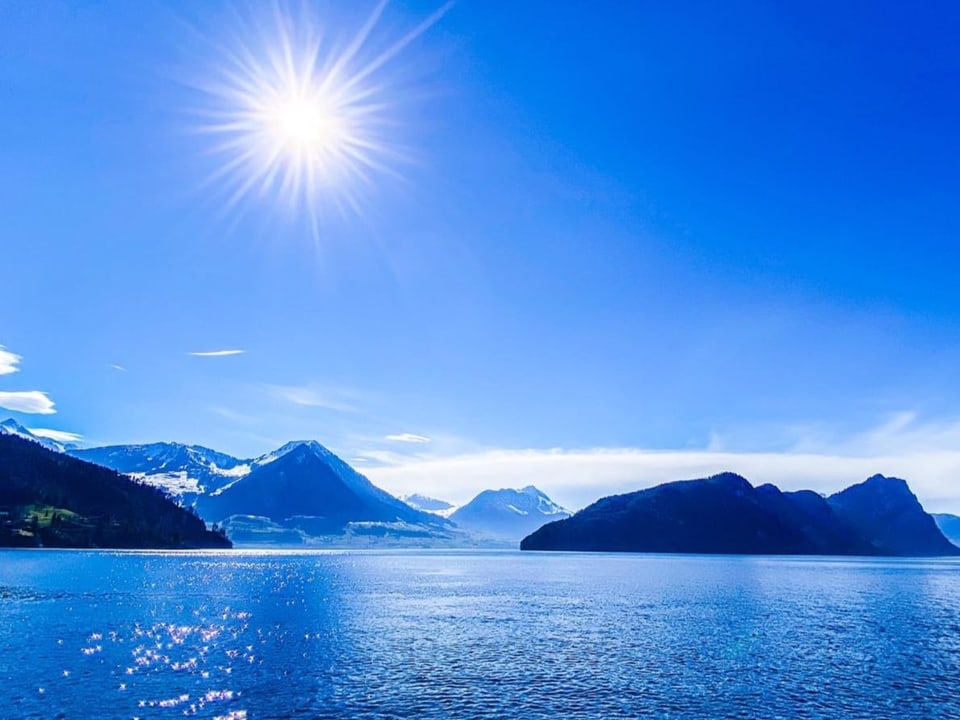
(429, 504)
(507, 513)
(294, 494)
(303, 478)
(306, 487)
(184, 471)
(12, 427)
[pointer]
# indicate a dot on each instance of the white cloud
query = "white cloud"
(31, 401)
(217, 353)
(313, 396)
(119, 368)
(59, 435)
(926, 455)
(8, 361)
(408, 438)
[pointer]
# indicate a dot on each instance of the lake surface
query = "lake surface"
(475, 635)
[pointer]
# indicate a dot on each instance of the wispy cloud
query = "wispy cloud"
(925, 454)
(315, 397)
(8, 361)
(233, 415)
(217, 353)
(58, 435)
(119, 368)
(32, 402)
(408, 438)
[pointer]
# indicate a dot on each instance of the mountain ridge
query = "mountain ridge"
(508, 513)
(12, 427)
(725, 514)
(50, 499)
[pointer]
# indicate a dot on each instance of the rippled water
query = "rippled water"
(239, 635)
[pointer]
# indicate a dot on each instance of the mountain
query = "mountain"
(12, 427)
(183, 471)
(429, 504)
(306, 487)
(887, 513)
(950, 527)
(821, 530)
(508, 514)
(726, 514)
(48, 498)
(719, 514)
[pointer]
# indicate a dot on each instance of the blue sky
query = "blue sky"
(712, 234)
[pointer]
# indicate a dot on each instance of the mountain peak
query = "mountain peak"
(508, 513)
(893, 482)
(428, 504)
(12, 427)
(307, 446)
(887, 512)
(729, 478)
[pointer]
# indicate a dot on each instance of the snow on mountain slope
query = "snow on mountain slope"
(182, 470)
(429, 504)
(12, 427)
(508, 513)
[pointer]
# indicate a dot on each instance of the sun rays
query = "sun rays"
(296, 115)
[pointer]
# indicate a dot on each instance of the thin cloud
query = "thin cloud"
(59, 435)
(8, 361)
(926, 455)
(408, 438)
(217, 353)
(314, 397)
(33, 402)
(119, 368)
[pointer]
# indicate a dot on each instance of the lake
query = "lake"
(365, 634)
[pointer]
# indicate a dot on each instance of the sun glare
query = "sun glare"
(307, 125)
(299, 115)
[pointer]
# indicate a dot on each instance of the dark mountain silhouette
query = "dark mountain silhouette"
(821, 530)
(50, 499)
(725, 514)
(305, 486)
(887, 513)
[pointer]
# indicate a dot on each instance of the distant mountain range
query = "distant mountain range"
(302, 493)
(183, 471)
(726, 514)
(950, 526)
(429, 504)
(49, 499)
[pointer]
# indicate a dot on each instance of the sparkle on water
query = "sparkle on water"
(475, 635)
(295, 114)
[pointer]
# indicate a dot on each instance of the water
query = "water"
(475, 635)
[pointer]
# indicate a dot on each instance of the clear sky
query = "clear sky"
(594, 245)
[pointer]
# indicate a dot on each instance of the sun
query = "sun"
(308, 125)
(294, 113)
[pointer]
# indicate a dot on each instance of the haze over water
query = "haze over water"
(476, 635)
